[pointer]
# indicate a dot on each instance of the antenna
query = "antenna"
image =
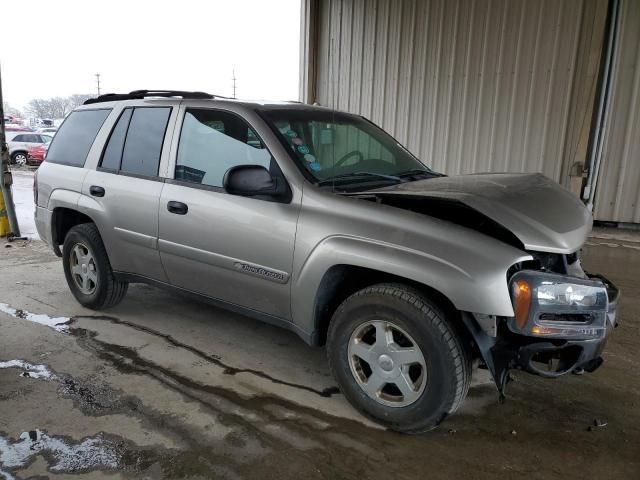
(98, 81)
(234, 82)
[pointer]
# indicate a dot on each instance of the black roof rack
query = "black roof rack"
(139, 94)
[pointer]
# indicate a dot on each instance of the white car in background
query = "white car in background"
(51, 131)
(20, 143)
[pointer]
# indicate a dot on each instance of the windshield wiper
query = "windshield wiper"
(416, 171)
(330, 180)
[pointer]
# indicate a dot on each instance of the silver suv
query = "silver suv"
(320, 222)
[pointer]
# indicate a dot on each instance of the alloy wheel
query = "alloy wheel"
(21, 159)
(83, 268)
(387, 363)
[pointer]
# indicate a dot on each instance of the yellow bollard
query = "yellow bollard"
(4, 220)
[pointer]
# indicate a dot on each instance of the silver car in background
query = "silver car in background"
(320, 222)
(20, 143)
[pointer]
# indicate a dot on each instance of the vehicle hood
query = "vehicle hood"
(543, 215)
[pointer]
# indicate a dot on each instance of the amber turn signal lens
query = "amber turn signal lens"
(522, 302)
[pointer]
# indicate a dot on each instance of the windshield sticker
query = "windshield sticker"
(291, 134)
(303, 149)
(315, 166)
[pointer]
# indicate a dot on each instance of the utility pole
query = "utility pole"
(6, 179)
(234, 83)
(98, 82)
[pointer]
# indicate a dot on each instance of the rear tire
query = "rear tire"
(19, 158)
(88, 271)
(406, 389)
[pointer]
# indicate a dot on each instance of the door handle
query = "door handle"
(96, 191)
(178, 208)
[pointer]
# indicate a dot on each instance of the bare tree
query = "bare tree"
(78, 99)
(39, 107)
(9, 110)
(55, 107)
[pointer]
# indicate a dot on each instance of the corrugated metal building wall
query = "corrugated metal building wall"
(618, 191)
(485, 85)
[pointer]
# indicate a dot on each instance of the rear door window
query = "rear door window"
(113, 152)
(143, 141)
(73, 141)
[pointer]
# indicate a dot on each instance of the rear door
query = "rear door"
(126, 188)
(235, 249)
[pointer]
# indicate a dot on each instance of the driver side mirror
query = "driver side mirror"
(253, 180)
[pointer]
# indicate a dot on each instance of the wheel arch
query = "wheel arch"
(17, 151)
(470, 281)
(343, 280)
(64, 219)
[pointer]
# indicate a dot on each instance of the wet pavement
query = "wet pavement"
(163, 387)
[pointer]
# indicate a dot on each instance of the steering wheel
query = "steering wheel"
(346, 157)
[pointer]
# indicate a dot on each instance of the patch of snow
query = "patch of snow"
(94, 453)
(29, 369)
(57, 323)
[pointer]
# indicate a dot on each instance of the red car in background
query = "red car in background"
(35, 155)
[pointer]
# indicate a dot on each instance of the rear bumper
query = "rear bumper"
(43, 224)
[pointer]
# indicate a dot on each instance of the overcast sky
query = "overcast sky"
(54, 48)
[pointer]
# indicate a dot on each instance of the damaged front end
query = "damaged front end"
(562, 318)
(561, 315)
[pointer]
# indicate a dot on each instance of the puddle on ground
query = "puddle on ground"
(29, 370)
(62, 455)
(94, 397)
(63, 324)
(57, 323)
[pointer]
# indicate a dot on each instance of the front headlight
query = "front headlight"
(567, 294)
(552, 305)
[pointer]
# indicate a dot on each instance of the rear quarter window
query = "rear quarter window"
(73, 141)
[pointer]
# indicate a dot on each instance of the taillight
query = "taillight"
(35, 188)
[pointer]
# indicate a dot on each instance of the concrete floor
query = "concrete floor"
(162, 387)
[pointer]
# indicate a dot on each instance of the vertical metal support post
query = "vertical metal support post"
(5, 174)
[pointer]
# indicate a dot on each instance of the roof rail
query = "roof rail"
(139, 94)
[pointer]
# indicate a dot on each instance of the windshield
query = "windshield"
(339, 148)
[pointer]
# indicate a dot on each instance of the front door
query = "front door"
(235, 249)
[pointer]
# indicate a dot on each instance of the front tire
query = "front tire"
(397, 358)
(88, 271)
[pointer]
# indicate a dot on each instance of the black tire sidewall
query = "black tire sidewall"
(14, 157)
(81, 234)
(439, 394)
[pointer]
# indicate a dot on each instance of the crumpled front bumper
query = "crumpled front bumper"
(549, 358)
(553, 359)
